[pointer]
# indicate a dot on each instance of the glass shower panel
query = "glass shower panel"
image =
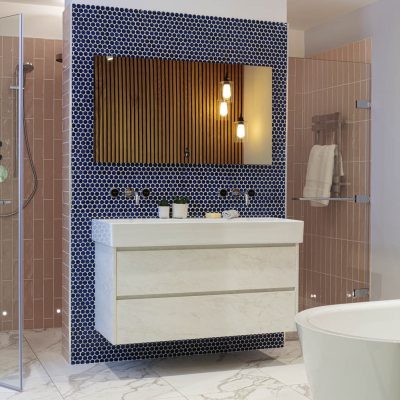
(335, 254)
(11, 104)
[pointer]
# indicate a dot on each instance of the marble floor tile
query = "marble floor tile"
(229, 380)
(43, 339)
(36, 389)
(276, 374)
(9, 365)
(46, 344)
(111, 388)
(303, 389)
(197, 364)
(197, 374)
(287, 374)
(9, 360)
(285, 365)
(128, 380)
(242, 387)
(293, 376)
(290, 354)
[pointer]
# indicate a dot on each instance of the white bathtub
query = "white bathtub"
(352, 351)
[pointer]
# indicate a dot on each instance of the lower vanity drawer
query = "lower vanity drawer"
(193, 317)
(173, 271)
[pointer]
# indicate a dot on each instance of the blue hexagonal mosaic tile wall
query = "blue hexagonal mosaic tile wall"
(123, 32)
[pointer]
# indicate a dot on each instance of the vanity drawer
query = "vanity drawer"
(193, 317)
(153, 272)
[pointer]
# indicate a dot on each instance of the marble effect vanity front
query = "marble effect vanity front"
(160, 280)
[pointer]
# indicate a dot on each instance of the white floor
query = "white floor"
(257, 375)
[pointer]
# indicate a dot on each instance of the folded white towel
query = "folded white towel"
(320, 170)
(229, 214)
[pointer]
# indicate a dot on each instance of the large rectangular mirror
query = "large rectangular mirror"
(165, 111)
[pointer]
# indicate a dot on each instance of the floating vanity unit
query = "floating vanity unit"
(162, 280)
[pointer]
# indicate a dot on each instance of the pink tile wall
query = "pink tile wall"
(334, 258)
(66, 118)
(356, 52)
(9, 188)
(42, 217)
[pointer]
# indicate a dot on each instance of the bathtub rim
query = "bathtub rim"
(302, 318)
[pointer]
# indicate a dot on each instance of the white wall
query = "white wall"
(340, 31)
(269, 10)
(296, 43)
(380, 21)
(39, 21)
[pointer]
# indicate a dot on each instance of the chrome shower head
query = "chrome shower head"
(28, 67)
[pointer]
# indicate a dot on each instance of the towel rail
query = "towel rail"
(358, 198)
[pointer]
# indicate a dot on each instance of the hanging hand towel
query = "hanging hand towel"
(320, 171)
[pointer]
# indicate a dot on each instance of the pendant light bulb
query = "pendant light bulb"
(241, 129)
(226, 91)
(223, 108)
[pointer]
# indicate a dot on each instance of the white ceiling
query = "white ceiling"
(57, 3)
(302, 14)
(305, 14)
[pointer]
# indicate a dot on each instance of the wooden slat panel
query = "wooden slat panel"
(149, 111)
(98, 71)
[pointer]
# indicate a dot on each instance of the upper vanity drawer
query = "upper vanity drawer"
(152, 272)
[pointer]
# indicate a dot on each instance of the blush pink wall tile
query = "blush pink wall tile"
(38, 81)
(42, 240)
(48, 140)
(48, 98)
(38, 48)
(28, 299)
(49, 59)
(38, 281)
(49, 299)
(28, 256)
(38, 321)
(66, 183)
(48, 184)
(48, 259)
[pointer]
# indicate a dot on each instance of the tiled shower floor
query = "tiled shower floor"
(257, 375)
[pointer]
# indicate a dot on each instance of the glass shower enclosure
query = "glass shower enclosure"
(11, 201)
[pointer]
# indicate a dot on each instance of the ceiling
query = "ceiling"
(302, 14)
(57, 3)
(305, 14)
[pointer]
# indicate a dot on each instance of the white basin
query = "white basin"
(196, 232)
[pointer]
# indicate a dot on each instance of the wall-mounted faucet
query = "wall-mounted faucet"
(236, 192)
(129, 193)
(248, 195)
(136, 194)
(137, 197)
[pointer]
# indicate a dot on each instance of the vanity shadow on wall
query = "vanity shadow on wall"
(171, 112)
